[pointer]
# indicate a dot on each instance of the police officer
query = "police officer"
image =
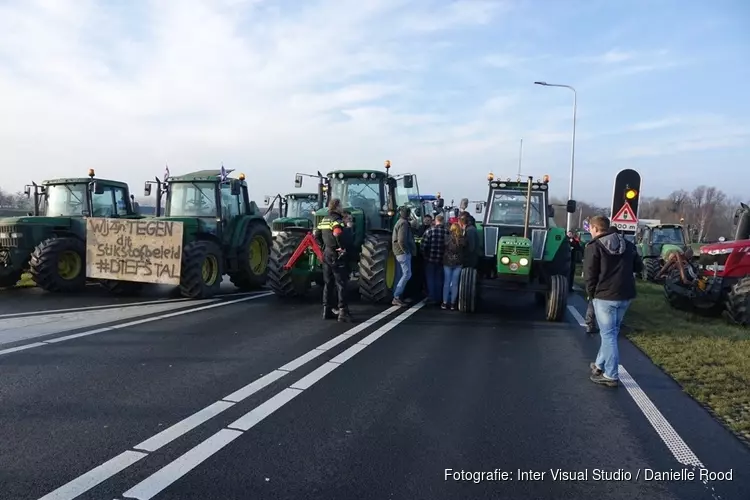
(335, 268)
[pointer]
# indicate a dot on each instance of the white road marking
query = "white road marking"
(175, 431)
(182, 427)
(137, 322)
(175, 470)
(95, 476)
(164, 477)
(92, 308)
(577, 315)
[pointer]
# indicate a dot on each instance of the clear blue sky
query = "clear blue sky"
(442, 89)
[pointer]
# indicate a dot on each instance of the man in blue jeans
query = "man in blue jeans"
(404, 247)
(609, 263)
(433, 248)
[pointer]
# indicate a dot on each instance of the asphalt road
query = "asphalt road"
(378, 412)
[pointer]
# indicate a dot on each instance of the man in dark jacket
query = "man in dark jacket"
(330, 232)
(471, 256)
(608, 267)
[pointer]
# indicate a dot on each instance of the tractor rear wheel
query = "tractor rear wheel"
(59, 265)
(377, 269)
(202, 270)
(651, 268)
(738, 303)
(557, 298)
(283, 282)
(253, 257)
(9, 277)
(467, 290)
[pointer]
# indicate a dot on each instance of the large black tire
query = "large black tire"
(45, 265)
(196, 255)
(467, 290)
(672, 288)
(9, 277)
(651, 268)
(247, 277)
(557, 298)
(282, 282)
(122, 288)
(373, 259)
(738, 303)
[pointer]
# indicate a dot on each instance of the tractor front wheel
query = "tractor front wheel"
(202, 270)
(377, 269)
(557, 298)
(651, 268)
(738, 303)
(59, 265)
(284, 282)
(467, 290)
(253, 257)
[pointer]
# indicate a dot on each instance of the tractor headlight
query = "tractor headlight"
(505, 260)
(523, 261)
(11, 235)
(275, 233)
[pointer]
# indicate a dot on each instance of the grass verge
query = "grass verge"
(707, 357)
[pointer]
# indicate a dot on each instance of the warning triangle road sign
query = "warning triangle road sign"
(625, 215)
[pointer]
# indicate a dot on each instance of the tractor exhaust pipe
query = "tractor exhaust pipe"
(528, 209)
(742, 217)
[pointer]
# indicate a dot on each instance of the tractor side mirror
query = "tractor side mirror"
(478, 208)
(298, 181)
(551, 210)
(440, 203)
(408, 181)
(147, 189)
(571, 206)
(27, 191)
(98, 188)
(267, 200)
(234, 187)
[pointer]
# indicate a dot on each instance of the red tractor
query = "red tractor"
(718, 280)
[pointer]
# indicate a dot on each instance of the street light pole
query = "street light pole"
(573, 148)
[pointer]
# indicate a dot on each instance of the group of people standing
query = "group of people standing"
(445, 248)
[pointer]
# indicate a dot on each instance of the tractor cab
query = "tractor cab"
(426, 204)
(295, 210)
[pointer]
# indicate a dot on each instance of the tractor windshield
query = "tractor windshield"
(669, 235)
(66, 200)
(301, 208)
(191, 199)
(364, 194)
(508, 208)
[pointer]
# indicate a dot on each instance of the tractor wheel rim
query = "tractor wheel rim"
(390, 270)
(210, 270)
(69, 265)
(258, 255)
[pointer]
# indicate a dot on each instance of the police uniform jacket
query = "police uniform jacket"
(331, 229)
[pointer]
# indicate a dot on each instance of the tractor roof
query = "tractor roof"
(84, 180)
(356, 173)
(200, 175)
(423, 197)
(664, 226)
(520, 184)
(298, 196)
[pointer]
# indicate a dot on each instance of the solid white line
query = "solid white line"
(138, 322)
(83, 483)
(681, 451)
(577, 315)
(347, 354)
(252, 418)
(264, 381)
(254, 386)
(304, 359)
(91, 308)
(152, 485)
(164, 477)
(21, 348)
(183, 427)
(676, 445)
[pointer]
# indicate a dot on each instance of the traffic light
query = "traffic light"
(627, 189)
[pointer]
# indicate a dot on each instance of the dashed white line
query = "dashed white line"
(95, 476)
(187, 424)
(92, 308)
(133, 323)
(577, 315)
(164, 477)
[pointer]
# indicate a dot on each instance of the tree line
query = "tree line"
(706, 210)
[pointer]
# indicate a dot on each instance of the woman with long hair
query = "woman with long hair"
(452, 263)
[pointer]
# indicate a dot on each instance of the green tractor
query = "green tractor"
(295, 210)
(223, 231)
(372, 198)
(521, 249)
(50, 242)
(655, 243)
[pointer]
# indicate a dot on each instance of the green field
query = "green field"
(707, 357)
